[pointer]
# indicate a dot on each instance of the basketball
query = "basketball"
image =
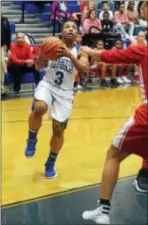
(49, 47)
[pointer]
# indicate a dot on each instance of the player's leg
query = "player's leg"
(126, 142)
(141, 181)
(56, 144)
(60, 115)
(100, 215)
(40, 106)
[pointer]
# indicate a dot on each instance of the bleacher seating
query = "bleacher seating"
(45, 14)
(26, 78)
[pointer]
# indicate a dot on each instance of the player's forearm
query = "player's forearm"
(80, 67)
(95, 54)
(40, 63)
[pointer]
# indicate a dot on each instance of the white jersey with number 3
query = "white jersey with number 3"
(60, 75)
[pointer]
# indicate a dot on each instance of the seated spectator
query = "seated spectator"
(142, 21)
(106, 10)
(140, 40)
(21, 61)
(107, 24)
(132, 15)
(91, 21)
(118, 3)
(136, 4)
(90, 6)
(111, 5)
(79, 41)
(100, 68)
(119, 69)
(122, 22)
(60, 12)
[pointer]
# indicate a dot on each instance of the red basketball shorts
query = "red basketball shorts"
(133, 136)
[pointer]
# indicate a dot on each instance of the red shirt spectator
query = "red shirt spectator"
(20, 53)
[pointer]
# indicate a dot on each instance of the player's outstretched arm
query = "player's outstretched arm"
(40, 63)
(80, 64)
(133, 54)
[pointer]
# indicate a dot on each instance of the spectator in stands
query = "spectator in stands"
(120, 68)
(90, 6)
(107, 24)
(142, 21)
(91, 21)
(140, 40)
(111, 5)
(118, 3)
(132, 15)
(79, 41)
(60, 13)
(136, 3)
(21, 61)
(5, 46)
(100, 68)
(106, 10)
(122, 22)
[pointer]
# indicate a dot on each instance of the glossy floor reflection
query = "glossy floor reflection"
(128, 208)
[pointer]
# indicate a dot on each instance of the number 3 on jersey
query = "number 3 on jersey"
(59, 79)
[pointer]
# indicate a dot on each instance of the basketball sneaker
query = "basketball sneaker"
(31, 147)
(141, 181)
(50, 172)
(100, 215)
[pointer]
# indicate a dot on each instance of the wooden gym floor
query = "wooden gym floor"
(95, 119)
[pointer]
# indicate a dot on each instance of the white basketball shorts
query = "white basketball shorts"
(59, 106)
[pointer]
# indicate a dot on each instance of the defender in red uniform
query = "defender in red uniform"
(132, 138)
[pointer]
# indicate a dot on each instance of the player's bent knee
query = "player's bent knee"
(112, 152)
(40, 108)
(116, 154)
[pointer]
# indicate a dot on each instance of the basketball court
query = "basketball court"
(28, 198)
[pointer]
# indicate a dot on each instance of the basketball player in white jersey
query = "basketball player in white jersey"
(55, 92)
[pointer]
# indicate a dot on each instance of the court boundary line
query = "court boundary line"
(86, 118)
(72, 190)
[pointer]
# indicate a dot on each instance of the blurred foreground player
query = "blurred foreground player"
(55, 92)
(133, 136)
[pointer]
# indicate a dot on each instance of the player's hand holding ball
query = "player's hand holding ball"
(63, 51)
(49, 48)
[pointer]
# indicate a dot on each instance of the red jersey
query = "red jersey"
(19, 53)
(134, 54)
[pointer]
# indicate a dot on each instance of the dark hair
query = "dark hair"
(67, 21)
(130, 3)
(90, 11)
(118, 40)
(99, 41)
